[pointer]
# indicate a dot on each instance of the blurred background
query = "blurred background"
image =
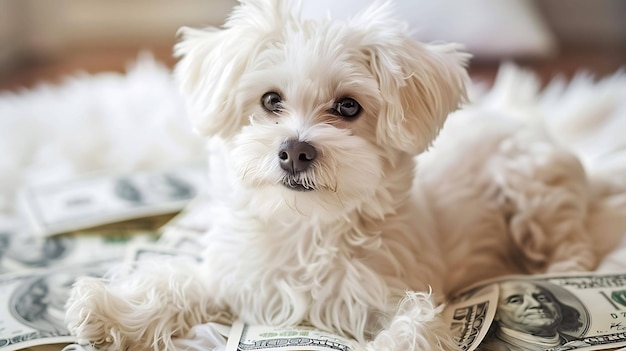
(45, 40)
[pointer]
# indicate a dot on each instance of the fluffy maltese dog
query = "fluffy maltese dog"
(318, 214)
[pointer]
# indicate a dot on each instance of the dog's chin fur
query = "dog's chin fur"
(350, 243)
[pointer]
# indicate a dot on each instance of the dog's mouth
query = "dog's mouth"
(297, 185)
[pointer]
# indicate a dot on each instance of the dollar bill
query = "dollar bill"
(32, 305)
(20, 250)
(33, 252)
(142, 252)
(102, 199)
(518, 313)
(245, 337)
(470, 314)
(552, 312)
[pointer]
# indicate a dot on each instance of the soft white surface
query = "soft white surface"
(108, 121)
(488, 28)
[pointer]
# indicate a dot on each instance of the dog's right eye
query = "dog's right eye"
(271, 101)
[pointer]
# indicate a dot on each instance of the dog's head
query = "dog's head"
(318, 113)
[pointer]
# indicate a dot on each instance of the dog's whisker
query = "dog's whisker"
(293, 206)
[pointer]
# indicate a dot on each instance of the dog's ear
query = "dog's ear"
(213, 59)
(420, 84)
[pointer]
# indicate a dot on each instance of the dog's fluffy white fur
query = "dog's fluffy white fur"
(351, 242)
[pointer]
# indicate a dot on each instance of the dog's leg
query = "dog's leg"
(544, 193)
(417, 325)
(144, 309)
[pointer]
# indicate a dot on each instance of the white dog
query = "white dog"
(317, 218)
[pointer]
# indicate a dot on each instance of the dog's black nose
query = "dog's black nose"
(296, 156)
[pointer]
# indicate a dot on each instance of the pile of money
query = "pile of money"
(553, 313)
(92, 224)
(81, 227)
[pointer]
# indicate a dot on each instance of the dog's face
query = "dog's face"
(317, 115)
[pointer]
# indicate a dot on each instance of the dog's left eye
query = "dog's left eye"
(347, 107)
(271, 101)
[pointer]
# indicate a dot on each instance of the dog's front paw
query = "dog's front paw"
(88, 315)
(417, 325)
(144, 310)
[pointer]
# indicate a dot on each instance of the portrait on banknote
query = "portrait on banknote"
(26, 252)
(39, 302)
(534, 315)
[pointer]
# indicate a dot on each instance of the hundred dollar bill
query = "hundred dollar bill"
(22, 253)
(97, 200)
(32, 305)
(551, 312)
(245, 337)
(21, 250)
(470, 314)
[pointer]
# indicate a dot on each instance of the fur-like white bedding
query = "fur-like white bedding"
(137, 121)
